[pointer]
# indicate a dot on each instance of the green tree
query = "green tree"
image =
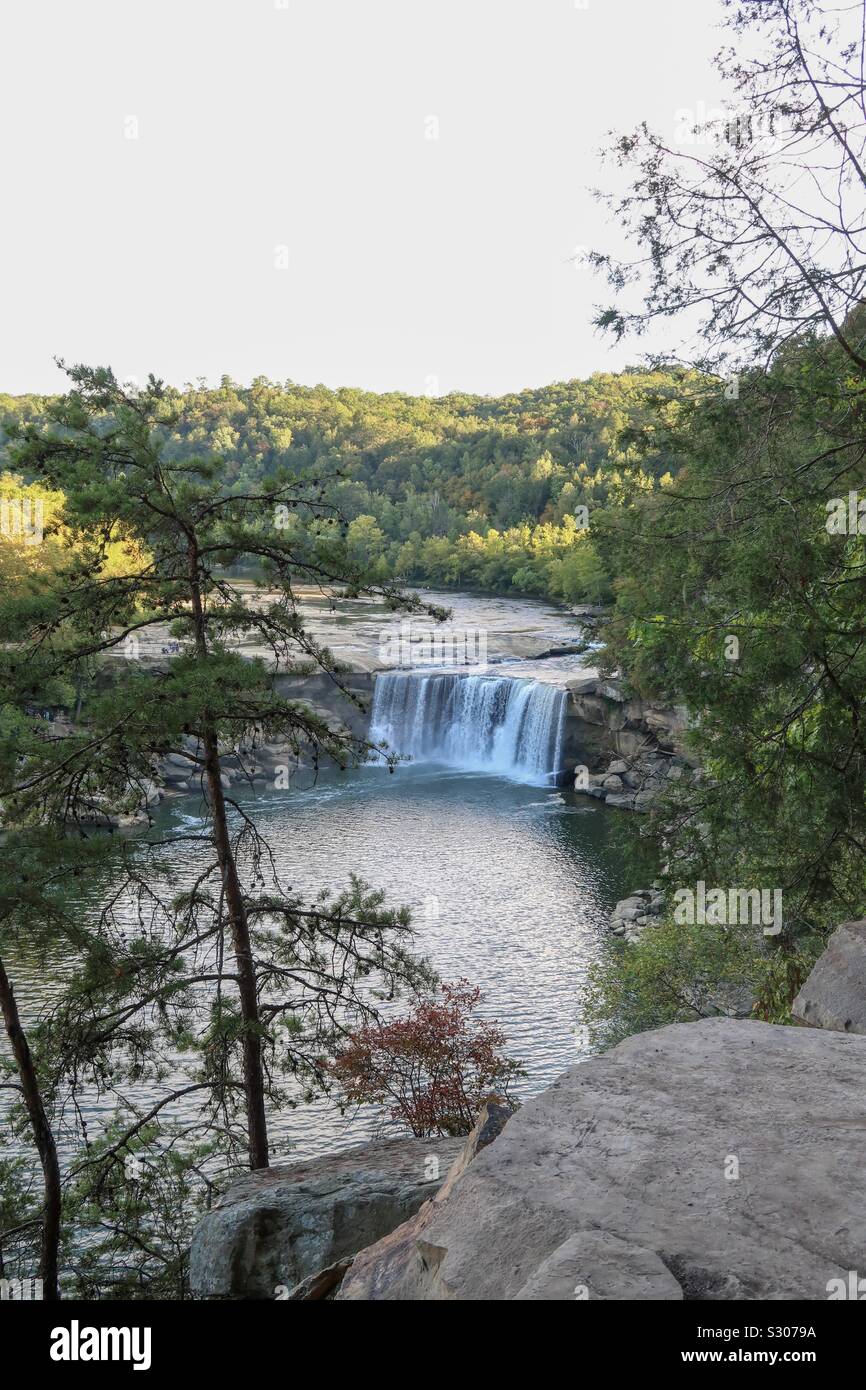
(265, 975)
(733, 594)
(734, 598)
(728, 230)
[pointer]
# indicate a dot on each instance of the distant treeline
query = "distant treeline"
(477, 491)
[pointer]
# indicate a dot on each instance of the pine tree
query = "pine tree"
(292, 974)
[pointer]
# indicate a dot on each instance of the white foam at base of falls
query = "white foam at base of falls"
(479, 723)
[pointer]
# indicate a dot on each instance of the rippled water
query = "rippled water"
(511, 885)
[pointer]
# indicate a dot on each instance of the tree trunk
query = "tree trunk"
(253, 1070)
(254, 1083)
(42, 1135)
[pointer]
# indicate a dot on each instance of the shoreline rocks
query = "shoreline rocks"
(394, 1260)
(630, 750)
(632, 915)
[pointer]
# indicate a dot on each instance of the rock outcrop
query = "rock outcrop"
(710, 1160)
(394, 1260)
(834, 995)
(278, 1227)
(261, 763)
(629, 749)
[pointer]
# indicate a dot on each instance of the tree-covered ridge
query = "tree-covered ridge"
(488, 492)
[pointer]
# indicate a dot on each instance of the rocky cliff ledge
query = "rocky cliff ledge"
(711, 1160)
(630, 748)
(834, 995)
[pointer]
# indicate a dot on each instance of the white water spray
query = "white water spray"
(480, 723)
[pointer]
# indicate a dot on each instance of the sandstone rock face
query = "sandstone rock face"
(711, 1160)
(834, 995)
(595, 1264)
(398, 1260)
(279, 1226)
(630, 748)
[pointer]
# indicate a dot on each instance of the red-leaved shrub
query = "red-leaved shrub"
(434, 1068)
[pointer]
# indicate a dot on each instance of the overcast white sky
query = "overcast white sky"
(299, 132)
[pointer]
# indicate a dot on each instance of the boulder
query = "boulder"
(643, 800)
(581, 685)
(278, 1226)
(176, 765)
(629, 912)
(394, 1261)
(590, 709)
(706, 1161)
(834, 995)
(666, 719)
(609, 690)
(631, 743)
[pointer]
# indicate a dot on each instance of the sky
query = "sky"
(377, 193)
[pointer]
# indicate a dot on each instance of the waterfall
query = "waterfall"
(481, 723)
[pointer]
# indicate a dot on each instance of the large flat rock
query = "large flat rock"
(834, 995)
(393, 1261)
(278, 1226)
(711, 1160)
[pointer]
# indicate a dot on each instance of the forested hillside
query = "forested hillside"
(463, 490)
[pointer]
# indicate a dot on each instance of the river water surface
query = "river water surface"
(510, 887)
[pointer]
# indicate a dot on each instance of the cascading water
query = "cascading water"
(480, 723)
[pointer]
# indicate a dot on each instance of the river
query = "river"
(511, 880)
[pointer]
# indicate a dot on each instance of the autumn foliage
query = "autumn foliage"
(434, 1068)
